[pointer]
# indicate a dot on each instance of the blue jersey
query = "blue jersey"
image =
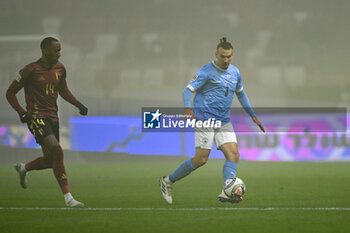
(215, 88)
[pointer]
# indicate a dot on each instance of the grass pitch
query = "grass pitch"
(124, 197)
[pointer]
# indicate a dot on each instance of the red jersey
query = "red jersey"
(41, 87)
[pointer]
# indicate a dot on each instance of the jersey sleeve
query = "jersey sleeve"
(239, 87)
(62, 75)
(24, 75)
(64, 72)
(19, 82)
(197, 81)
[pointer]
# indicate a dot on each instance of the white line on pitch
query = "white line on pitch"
(178, 209)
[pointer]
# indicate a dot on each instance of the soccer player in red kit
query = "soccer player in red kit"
(43, 80)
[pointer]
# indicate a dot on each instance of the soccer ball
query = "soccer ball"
(234, 187)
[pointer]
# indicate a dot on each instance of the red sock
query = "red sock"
(58, 168)
(39, 163)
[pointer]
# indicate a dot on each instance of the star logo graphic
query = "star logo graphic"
(156, 115)
(152, 119)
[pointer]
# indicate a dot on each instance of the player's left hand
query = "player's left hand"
(83, 110)
(256, 121)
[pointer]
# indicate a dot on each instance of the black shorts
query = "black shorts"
(41, 128)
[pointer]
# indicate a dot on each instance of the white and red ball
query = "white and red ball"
(234, 187)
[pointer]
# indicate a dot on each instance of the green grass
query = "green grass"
(130, 184)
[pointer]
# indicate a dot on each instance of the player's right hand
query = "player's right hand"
(25, 117)
(189, 113)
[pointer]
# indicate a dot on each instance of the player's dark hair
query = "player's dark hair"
(46, 42)
(224, 44)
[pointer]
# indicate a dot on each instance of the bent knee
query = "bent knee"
(233, 156)
(199, 161)
(203, 161)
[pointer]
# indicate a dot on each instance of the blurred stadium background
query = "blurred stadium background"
(125, 55)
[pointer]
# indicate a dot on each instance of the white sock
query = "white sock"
(68, 197)
(23, 168)
(167, 180)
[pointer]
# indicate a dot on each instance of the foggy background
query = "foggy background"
(124, 55)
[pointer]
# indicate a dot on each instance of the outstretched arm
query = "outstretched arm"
(68, 96)
(186, 97)
(243, 99)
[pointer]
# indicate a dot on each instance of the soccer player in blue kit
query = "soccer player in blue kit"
(215, 85)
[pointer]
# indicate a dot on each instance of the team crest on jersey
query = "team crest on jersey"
(58, 75)
(204, 140)
(18, 78)
(228, 76)
(194, 77)
(41, 78)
